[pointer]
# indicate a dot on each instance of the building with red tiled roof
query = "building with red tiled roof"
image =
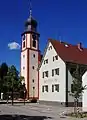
(70, 53)
(55, 71)
(52, 80)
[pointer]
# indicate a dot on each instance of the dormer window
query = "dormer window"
(34, 43)
(66, 45)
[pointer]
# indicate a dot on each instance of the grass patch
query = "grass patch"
(77, 115)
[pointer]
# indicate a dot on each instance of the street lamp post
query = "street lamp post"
(12, 92)
(24, 94)
(12, 96)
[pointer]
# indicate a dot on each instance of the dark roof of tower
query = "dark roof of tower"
(31, 21)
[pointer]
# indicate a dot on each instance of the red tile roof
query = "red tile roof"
(70, 53)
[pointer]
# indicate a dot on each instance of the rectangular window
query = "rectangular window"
(43, 74)
(23, 44)
(34, 43)
(53, 58)
(42, 88)
(46, 74)
(46, 88)
(57, 71)
(46, 61)
(52, 88)
(57, 87)
(56, 57)
(72, 88)
(52, 72)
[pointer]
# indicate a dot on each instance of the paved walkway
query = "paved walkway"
(35, 112)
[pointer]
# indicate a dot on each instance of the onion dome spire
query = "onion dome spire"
(31, 23)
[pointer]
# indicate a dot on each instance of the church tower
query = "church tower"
(30, 58)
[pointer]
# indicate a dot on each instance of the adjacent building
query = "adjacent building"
(59, 61)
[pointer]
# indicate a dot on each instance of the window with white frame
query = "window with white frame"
(46, 61)
(52, 88)
(55, 57)
(45, 74)
(55, 87)
(72, 90)
(42, 88)
(52, 72)
(55, 71)
(45, 88)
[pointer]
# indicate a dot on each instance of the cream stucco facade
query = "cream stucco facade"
(57, 96)
(63, 79)
(29, 65)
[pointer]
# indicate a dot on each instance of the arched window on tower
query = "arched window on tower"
(34, 43)
(23, 44)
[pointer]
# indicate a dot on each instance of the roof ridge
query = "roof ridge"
(73, 45)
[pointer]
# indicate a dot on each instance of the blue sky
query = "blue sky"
(65, 18)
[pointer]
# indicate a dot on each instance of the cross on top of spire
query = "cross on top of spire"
(30, 9)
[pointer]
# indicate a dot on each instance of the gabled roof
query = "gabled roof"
(42, 58)
(70, 53)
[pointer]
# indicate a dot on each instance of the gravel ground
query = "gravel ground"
(34, 112)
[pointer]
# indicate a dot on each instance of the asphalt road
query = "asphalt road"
(33, 112)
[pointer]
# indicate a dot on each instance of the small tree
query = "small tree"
(13, 80)
(3, 73)
(78, 88)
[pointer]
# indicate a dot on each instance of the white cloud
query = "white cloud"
(14, 46)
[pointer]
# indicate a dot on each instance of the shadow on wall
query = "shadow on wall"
(22, 117)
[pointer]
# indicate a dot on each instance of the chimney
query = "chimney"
(80, 46)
